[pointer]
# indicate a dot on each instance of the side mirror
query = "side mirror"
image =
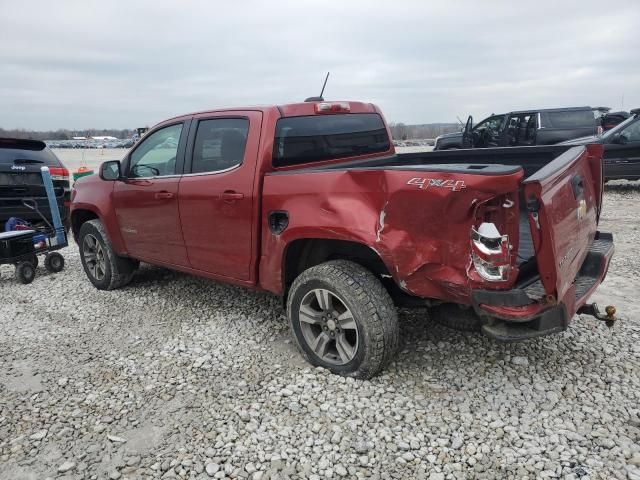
(110, 171)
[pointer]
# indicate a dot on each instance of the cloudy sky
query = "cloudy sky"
(121, 64)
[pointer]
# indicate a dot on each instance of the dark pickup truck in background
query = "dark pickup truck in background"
(309, 201)
(523, 128)
(621, 148)
(20, 178)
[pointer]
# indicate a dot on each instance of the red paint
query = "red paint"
(417, 221)
(565, 232)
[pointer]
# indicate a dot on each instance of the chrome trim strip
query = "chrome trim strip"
(187, 174)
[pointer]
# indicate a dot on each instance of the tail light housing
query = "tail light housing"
(59, 173)
(333, 107)
(490, 252)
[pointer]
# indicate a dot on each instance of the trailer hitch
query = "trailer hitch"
(609, 317)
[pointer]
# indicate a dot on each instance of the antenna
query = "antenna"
(319, 98)
(327, 78)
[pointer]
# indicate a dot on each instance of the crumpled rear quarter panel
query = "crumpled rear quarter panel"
(420, 233)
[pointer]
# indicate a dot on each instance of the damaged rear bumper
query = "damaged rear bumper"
(523, 313)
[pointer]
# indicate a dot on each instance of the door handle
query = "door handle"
(163, 195)
(231, 196)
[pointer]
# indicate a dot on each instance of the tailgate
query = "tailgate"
(564, 200)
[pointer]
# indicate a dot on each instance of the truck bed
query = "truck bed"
(488, 161)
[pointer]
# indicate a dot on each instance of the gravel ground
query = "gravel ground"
(177, 377)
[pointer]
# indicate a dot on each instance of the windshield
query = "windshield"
(619, 127)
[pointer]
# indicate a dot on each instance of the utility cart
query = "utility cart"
(22, 247)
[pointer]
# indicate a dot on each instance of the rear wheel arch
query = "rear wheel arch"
(302, 254)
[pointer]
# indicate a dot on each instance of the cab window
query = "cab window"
(219, 144)
(156, 154)
(492, 123)
(632, 132)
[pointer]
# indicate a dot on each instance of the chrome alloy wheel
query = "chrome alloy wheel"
(94, 257)
(328, 327)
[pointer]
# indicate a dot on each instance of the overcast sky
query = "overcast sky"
(123, 64)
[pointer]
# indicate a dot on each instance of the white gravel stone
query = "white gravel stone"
(523, 361)
(66, 466)
(39, 435)
(212, 469)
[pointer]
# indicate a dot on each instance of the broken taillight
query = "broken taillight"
(490, 252)
(333, 107)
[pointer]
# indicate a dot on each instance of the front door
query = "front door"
(622, 159)
(217, 196)
(146, 202)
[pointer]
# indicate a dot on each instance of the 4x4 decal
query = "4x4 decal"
(423, 183)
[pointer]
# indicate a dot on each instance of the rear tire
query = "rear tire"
(105, 269)
(456, 317)
(54, 262)
(25, 272)
(343, 319)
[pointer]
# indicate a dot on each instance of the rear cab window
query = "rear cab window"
(318, 138)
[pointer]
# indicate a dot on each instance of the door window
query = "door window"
(156, 154)
(492, 124)
(219, 144)
(632, 132)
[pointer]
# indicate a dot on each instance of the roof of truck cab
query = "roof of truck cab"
(286, 109)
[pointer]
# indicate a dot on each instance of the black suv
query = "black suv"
(20, 178)
(621, 148)
(523, 128)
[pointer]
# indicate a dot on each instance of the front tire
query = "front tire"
(343, 319)
(105, 269)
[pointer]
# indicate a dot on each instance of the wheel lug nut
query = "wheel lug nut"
(333, 334)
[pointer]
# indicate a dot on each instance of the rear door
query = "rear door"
(563, 200)
(146, 202)
(217, 197)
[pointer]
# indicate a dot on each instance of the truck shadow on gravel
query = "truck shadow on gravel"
(425, 347)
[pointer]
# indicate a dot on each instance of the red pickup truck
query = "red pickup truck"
(311, 202)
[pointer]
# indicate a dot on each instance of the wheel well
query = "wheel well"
(78, 218)
(306, 253)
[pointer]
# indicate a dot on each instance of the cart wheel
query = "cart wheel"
(54, 262)
(34, 261)
(25, 272)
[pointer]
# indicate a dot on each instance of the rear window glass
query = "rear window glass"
(26, 151)
(582, 118)
(325, 137)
